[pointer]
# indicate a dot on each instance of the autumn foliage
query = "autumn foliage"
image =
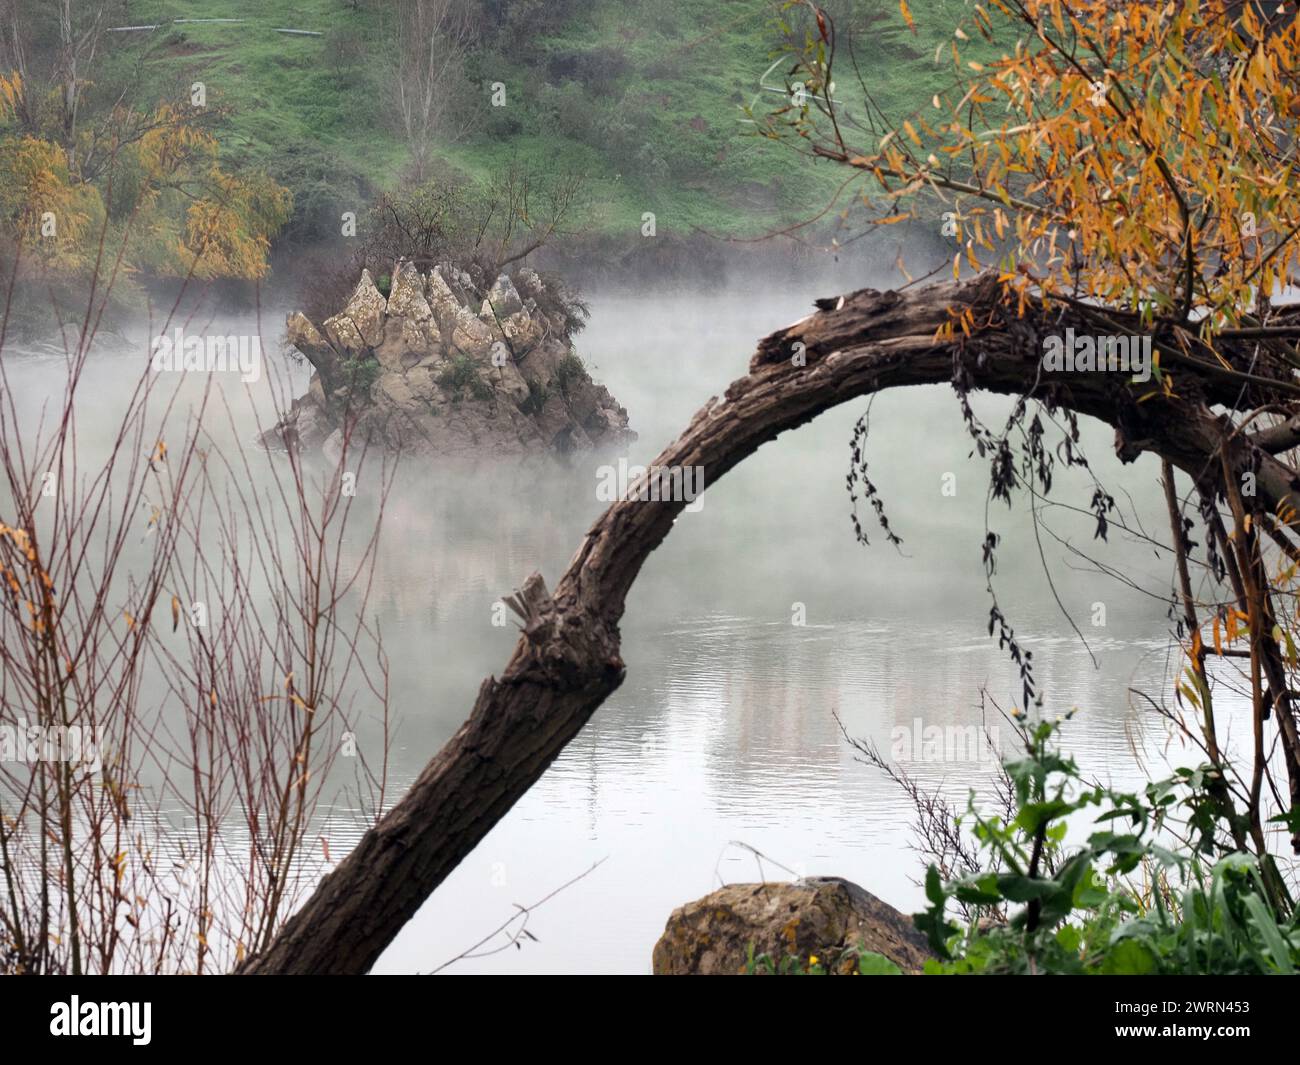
(1135, 153)
(1130, 167)
(139, 193)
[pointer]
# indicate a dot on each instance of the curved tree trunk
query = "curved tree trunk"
(567, 659)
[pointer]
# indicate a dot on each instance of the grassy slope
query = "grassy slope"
(663, 132)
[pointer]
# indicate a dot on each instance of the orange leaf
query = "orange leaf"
(907, 15)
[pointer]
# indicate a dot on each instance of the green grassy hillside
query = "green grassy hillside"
(645, 99)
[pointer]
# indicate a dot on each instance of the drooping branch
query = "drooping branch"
(567, 660)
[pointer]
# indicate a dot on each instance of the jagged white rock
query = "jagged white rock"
(422, 371)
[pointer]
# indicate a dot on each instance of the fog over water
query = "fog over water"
(725, 727)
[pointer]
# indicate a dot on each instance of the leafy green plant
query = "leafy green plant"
(1209, 909)
(459, 375)
(360, 373)
(569, 371)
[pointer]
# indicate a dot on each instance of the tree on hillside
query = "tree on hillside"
(1127, 170)
(152, 174)
(482, 227)
(53, 49)
(432, 39)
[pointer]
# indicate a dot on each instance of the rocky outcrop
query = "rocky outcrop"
(822, 917)
(439, 367)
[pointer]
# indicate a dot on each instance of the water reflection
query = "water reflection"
(726, 727)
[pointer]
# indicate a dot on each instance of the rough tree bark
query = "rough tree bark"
(567, 659)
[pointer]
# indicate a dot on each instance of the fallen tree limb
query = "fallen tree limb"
(567, 660)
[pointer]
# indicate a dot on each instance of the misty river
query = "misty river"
(757, 623)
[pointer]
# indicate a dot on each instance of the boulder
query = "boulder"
(470, 335)
(522, 332)
(360, 324)
(823, 917)
(316, 393)
(312, 425)
(395, 392)
(423, 383)
(407, 341)
(406, 298)
(303, 335)
(441, 299)
(344, 335)
(503, 298)
(542, 364)
(457, 282)
(507, 380)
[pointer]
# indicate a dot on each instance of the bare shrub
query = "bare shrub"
(195, 617)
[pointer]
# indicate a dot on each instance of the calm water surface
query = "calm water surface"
(724, 735)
